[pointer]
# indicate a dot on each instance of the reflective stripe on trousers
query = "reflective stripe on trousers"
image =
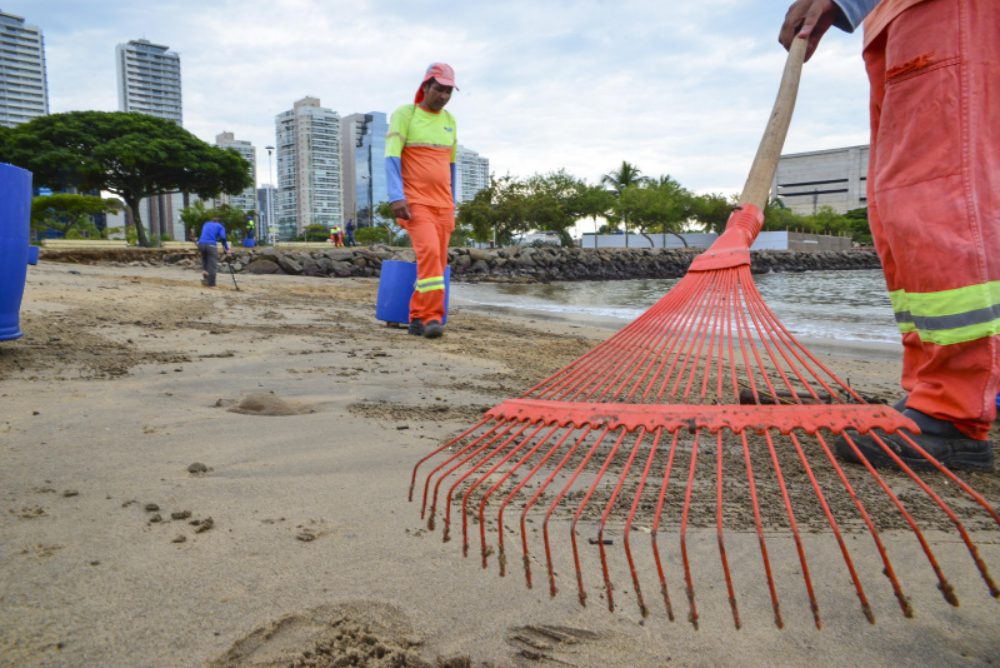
(934, 201)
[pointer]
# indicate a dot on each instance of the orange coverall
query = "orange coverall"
(934, 197)
(420, 150)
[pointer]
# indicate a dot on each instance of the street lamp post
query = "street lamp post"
(270, 199)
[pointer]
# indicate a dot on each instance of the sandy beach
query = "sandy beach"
(193, 477)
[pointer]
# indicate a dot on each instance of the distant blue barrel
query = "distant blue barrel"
(395, 287)
(249, 242)
(15, 218)
(33, 254)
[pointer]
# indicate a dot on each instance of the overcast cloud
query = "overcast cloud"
(681, 88)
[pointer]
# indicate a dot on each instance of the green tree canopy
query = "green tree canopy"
(232, 218)
(69, 214)
(131, 155)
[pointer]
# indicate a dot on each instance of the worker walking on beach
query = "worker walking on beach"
(420, 154)
(933, 203)
(211, 233)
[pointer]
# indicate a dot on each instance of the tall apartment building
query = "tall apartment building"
(246, 200)
(24, 93)
(362, 161)
(309, 173)
(472, 174)
(837, 178)
(265, 205)
(149, 82)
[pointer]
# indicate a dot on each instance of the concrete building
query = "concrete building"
(265, 206)
(246, 200)
(472, 174)
(24, 92)
(149, 82)
(362, 156)
(837, 178)
(309, 173)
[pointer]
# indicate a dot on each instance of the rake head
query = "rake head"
(702, 418)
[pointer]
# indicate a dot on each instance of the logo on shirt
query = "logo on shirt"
(447, 129)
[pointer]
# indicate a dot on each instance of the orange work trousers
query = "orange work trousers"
(430, 229)
(934, 201)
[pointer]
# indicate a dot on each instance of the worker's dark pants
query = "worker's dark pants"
(209, 262)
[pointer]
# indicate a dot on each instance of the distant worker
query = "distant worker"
(350, 232)
(420, 154)
(336, 236)
(211, 233)
(250, 228)
(933, 198)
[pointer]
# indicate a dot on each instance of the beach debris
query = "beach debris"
(306, 536)
(203, 525)
(649, 427)
(197, 468)
(180, 515)
(70, 492)
(179, 538)
(151, 507)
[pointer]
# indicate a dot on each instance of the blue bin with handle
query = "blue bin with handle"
(15, 221)
(395, 287)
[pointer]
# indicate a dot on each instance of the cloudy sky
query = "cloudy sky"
(681, 88)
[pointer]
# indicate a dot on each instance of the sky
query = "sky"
(680, 88)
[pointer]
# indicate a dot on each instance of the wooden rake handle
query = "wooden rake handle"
(758, 183)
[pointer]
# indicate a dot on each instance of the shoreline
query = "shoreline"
(292, 419)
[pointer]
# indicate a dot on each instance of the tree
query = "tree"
(655, 206)
(232, 218)
(619, 180)
(69, 214)
(131, 155)
(712, 211)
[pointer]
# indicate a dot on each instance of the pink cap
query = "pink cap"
(440, 72)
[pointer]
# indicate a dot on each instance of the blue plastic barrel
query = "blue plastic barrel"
(33, 255)
(249, 242)
(395, 287)
(15, 219)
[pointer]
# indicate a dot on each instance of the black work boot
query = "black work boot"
(939, 438)
(416, 327)
(433, 329)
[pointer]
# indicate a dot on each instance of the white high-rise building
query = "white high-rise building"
(472, 174)
(308, 147)
(24, 91)
(149, 82)
(246, 200)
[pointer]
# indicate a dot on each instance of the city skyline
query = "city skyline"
(684, 91)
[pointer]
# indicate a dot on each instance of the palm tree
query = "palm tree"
(620, 179)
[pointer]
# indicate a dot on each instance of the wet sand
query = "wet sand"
(217, 477)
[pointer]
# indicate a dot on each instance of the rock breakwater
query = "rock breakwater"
(512, 264)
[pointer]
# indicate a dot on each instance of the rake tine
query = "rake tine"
(535, 497)
(455, 455)
(579, 511)
(475, 467)
(813, 604)
(719, 530)
(483, 478)
(760, 533)
(631, 517)
(555, 502)
(656, 525)
(607, 511)
(434, 453)
(946, 589)
(500, 530)
(462, 462)
(689, 582)
(887, 568)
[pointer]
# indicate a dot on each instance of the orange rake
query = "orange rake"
(706, 380)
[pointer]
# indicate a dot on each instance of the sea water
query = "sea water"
(840, 305)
